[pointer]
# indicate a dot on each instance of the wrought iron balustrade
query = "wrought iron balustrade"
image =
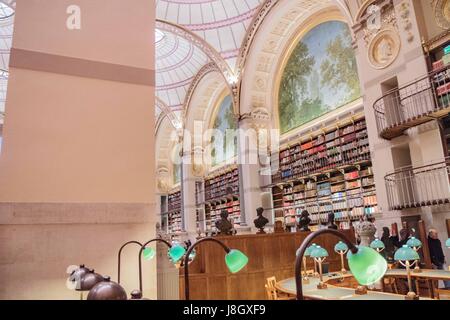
(421, 101)
(414, 187)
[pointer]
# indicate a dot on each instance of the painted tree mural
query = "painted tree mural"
(320, 76)
(224, 147)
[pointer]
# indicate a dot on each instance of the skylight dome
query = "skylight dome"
(5, 11)
(159, 35)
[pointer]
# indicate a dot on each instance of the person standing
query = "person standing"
(436, 253)
(389, 250)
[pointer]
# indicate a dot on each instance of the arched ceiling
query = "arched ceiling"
(221, 23)
(7, 8)
(177, 62)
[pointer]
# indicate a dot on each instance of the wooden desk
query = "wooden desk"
(425, 274)
(429, 275)
(269, 255)
(311, 292)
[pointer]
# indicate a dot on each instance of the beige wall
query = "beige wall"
(77, 165)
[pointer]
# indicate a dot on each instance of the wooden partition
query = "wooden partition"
(269, 255)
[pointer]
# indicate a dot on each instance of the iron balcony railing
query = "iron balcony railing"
(421, 101)
(419, 187)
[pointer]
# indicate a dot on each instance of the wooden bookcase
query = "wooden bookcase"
(331, 172)
(439, 61)
(200, 208)
(222, 193)
(175, 222)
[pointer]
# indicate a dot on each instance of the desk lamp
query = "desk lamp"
(341, 248)
(366, 265)
(415, 244)
(235, 260)
(319, 254)
(307, 254)
(377, 245)
(404, 256)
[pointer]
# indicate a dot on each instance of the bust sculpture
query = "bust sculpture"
(366, 230)
(304, 221)
(331, 224)
(224, 225)
(261, 221)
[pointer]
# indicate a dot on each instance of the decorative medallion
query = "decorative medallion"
(384, 49)
(442, 13)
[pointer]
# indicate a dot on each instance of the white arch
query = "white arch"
(281, 26)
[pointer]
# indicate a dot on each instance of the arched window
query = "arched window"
(224, 141)
(320, 76)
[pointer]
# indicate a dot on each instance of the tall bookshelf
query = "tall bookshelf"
(329, 173)
(175, 223)
(222, 193)
(200, 208)
(439, 59)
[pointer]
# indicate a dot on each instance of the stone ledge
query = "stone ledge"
(76, 213)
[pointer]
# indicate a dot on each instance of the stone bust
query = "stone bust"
(331, 224)
(261, 221)
(366, 231)
(304, 221)
(224, 225)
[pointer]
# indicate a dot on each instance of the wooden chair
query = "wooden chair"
(391, 283)
(272, 292)
(442, 294)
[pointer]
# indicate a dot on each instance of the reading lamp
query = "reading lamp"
(366, 265)
(319, 254)
(234, 259)
(416, 245)
(404, 256)
(377, 245)
(341, 249)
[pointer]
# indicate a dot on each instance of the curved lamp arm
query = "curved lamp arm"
(119, 256)
(140, 256)
(306, 243)
(186, 261)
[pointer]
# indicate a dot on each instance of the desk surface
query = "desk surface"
(424, 274)
(334, 293)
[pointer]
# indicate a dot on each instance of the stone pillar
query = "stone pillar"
(77, 164)
(188, 197)
(249, 166)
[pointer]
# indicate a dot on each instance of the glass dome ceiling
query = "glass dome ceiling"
(177, 63)
(221, 23)
(6, 33)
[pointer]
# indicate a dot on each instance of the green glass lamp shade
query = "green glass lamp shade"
(176, 253)
(149, 253)
(377, 244)
(236, 261)
(447, 243)
(414, 243)
(367, 265)
(319, 252)
(340, 247)
(406, 253)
